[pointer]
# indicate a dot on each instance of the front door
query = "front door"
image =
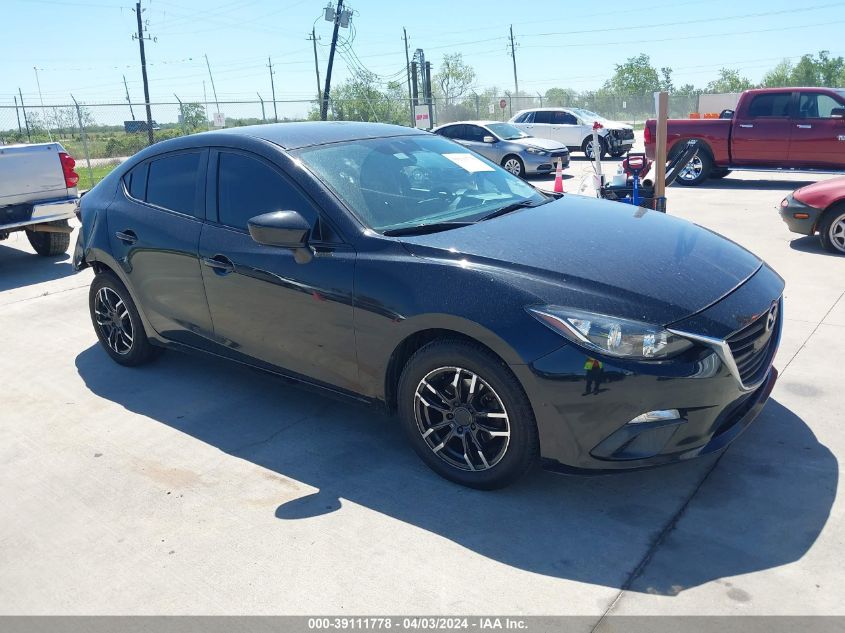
(818, 139)
(761, 132)
(472, 136)
(154, 228)
(266, 305)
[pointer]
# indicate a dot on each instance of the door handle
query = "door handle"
(746, 125)
(128, 236)
(220, 263)
(804, 126)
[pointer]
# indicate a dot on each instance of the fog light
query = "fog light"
(657, 416)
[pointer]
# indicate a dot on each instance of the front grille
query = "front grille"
(560, 154)
(624, 134)
(753, 347)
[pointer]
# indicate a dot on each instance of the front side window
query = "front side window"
(247, 187)
(770, 105)
(474, 133)
(814, 105)
(507, 131)
(172, 182)
(564, 118)
(450, 132)
(411, 181)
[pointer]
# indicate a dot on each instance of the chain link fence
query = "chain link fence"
(101, 135)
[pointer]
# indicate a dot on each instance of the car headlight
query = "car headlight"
(537, 150)
(611, 335)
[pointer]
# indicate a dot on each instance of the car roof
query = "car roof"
(478, 122)
(555, 108)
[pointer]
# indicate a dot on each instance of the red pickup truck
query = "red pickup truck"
(800, 129)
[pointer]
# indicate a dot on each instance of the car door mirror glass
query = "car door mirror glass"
(489, 139)
(286, 229)
(837, 113)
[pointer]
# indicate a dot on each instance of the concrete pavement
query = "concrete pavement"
(195, 486)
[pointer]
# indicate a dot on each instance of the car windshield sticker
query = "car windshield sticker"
(468, 162)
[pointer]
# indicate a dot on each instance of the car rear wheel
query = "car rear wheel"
(514, 165)
(49, 244)
(696, 171)
(117, 322)
(466, 415)
(832, 230)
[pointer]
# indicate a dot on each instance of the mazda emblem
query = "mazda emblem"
(773, 316)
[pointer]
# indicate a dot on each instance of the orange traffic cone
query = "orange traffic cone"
(559, 177)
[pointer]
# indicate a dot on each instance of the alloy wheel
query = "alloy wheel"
(837, 233)
(691, 170)
(462, 419)
(513, 166)
(113, 320)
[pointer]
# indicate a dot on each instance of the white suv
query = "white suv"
(574, 128)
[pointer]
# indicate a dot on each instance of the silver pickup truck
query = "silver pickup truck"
(38, 195)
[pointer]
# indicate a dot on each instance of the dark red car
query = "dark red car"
(800, 129)
(818, 208)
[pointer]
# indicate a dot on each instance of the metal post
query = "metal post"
(213, 89)
(428, 98)
(660, 152)
(128, 100)
(150, 138)
(273, 90)
(25, 120)
(41, 97)
(263, 117)
(84, 141)
(477, 106)
(18, 115)
(513, 55)
(415, 95)
(408, 71)
(181, 114)
(316, 66)
(324, 108)
(541, 98)
(205, 103)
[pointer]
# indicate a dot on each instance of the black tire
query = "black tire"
(617, 154)
(697, 171)
(49, 244)
(495, 388)
(518, 167)
(588, 141)
(832, 229)
(131, 349)
(719, 172)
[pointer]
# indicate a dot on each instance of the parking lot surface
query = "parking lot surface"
(194, 486)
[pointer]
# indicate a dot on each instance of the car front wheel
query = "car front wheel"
(832, 230)
(117, 322)
(514, 165)
(466, 415)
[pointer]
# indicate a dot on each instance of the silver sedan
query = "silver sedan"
(518, 152)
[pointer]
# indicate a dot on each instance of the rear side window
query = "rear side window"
(770, 105)
(136, 181)
(542, 116)
(172, 182)
(247, 187)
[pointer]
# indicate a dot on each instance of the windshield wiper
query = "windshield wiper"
(422, 229)
(516, 206)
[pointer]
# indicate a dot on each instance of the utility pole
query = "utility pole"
(273, 89)
(128, 100)
(338, 14)
(314, 39)
(213, 89)
(205, 101)
(428, 96)
(141, 38)
(513, 55)
(18, 115)
(408, 70)
(181, 113)
(25, 120)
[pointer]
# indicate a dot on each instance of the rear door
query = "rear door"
(266, 305)
(542, 125)
(154, 228)
(818, 139)
(565, 128)
(762, 129)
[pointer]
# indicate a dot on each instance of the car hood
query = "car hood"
(605, 257)
(542, 143)
(821, 194)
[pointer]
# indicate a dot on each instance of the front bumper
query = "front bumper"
(586, 419)
(535, 164)
(799, 217)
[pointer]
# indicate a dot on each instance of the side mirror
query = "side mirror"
(287, 229)
(837, 113)
(489, 139)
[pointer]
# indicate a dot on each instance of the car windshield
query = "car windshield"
(506, 131)
(587, 115)
(412, 181)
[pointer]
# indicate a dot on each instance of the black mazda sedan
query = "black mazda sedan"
(505, 326)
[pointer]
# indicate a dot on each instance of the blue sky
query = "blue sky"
(85, 47)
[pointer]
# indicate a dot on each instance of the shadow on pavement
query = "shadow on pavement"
(587, 529)
(810, 244)
(21, 268)
(769, 184)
